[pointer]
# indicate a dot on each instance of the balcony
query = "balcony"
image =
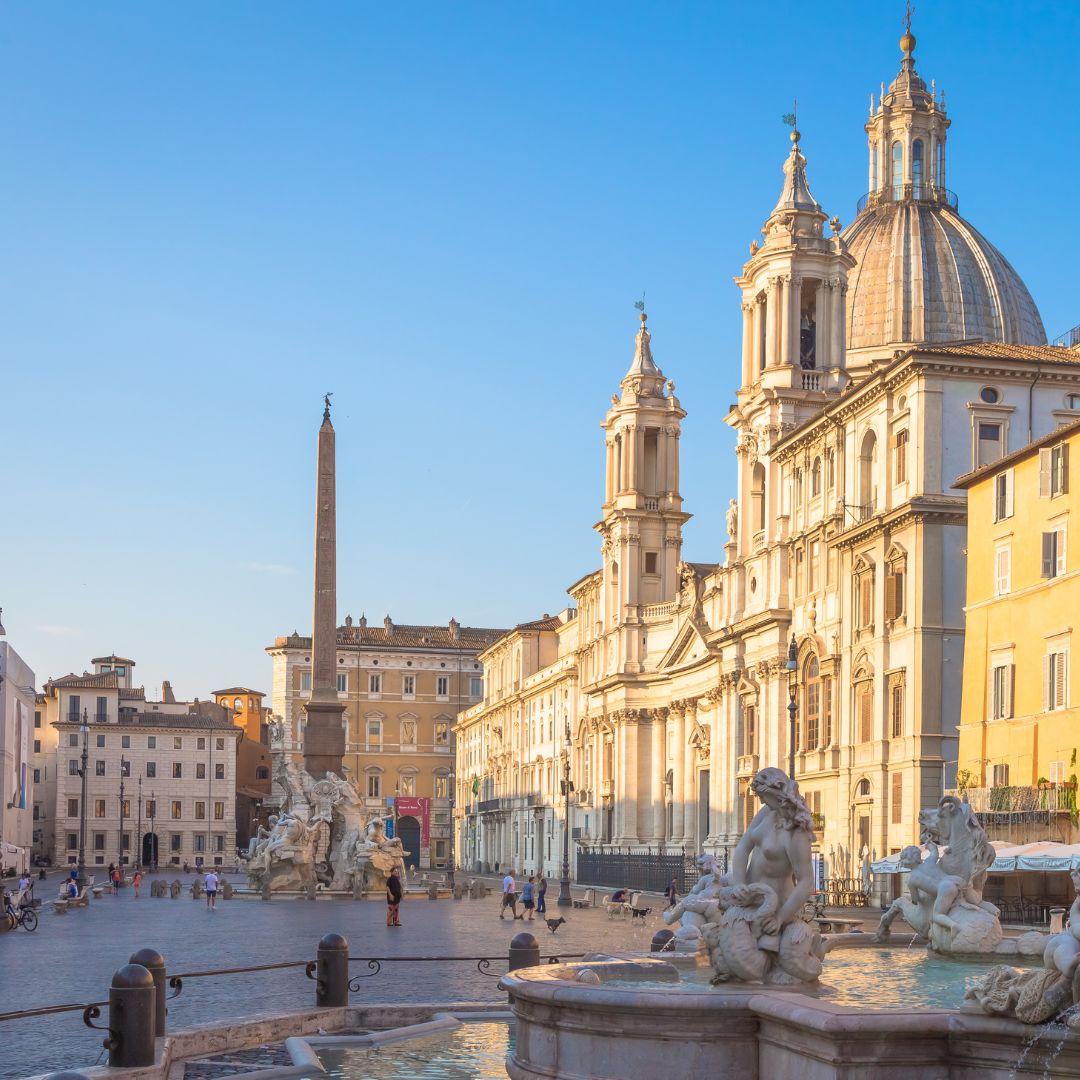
(922, 192)
(584, 798)
(811, 380)
(653, 611)
(607, 789)
(819, 823)
(652, 503)
(1020, 801)
(746, 765)
(487, 806)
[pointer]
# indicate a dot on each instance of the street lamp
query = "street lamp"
(565, 899)
(138, 832)
(451, 780)
(793, 708)
(154, 846)
(85, 729)
(120, 841)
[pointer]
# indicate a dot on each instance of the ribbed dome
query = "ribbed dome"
(924, 274)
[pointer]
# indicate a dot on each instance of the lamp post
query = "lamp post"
(153, 832)
(565, 899)
(85, 729)
(120, 838)
(451, 780)
(138, 832)
(793, 708)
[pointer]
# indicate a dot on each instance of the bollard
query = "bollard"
(227, 890)
(154, 962)
(332, 974)
(131, 1018)
(661, 941)
(524, 952)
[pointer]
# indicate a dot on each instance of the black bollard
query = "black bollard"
(332, 985)
(154, 962)
(131, 1018)
(661, 941)
(524, 952)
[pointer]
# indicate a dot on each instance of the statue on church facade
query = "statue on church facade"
(733, 521)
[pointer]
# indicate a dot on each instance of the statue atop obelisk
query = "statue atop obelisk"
(324, 735)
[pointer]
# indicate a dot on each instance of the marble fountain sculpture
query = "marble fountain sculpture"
(323, 836)
(767, 1014)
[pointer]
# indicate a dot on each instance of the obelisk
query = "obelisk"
(324, 735)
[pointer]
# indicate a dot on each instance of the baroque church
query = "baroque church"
(879, 363)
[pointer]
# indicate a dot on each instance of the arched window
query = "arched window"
(815, 478)
(916, 168)
(862, 790)
(262, 773)
(867, 474)
(237, 704)
(897, 169)
(864, 706)
(798, 489)
(874, 168)
(811, 703)
(757, 497)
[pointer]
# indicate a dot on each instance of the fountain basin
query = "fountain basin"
(637, 1019)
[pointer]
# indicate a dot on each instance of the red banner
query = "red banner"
(419, 808)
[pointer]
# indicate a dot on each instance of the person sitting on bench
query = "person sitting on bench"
(621, 896)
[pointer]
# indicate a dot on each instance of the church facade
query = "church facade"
(879, 363)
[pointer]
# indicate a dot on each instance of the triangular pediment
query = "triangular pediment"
(687, 641)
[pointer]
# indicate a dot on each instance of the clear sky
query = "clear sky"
(213, 212)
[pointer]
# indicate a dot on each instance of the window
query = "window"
(1001, 691)
(175, 840)
(867, 476)
(442, 787)
(200, 842)
(1000, 775)
(178, 742)
(219, 845)
(342, 683)
(1002, 570)
(125, 742)
(125, 767)
(374, 734)
(749, 729)
(442, 686)
(74, 703)
(37, 719)
(897, 800)
(177, 770)
(219, 744)
(812, 706)
(1055, 681)
(408, 733)
(73, 766)
(1057, 772)
(989, 395)
(219, 770)
(375, 683)
(408, 784)
(151, 742)
(100, 740)
(99, 841)
(650, 562)
(125, 808)
(896, 708)
(1072, 401)
(408, 686)
(917, 167)
(442, 733)
(200, 743)
(897, 169)
(262, 773)
(37, 776)
(151, 768)
(99, 808)
(99, 768)
(200, 770)
(864, 594)
(894, 591)
(900, 452)
(176, 810)
(757, 498)
(72, 841)
(120, 669)
(864, 706)
(826, 710)
(1053, 552)
(815, 478)
(101, 714)
(305, 681)
(1003, 495)
(37, 746)
(151, 808)
(200, 811)
(989, 442)
(219, 811)
(73, 808)
(374, 786)
(476, 686)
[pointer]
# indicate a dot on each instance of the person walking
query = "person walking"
(116, 881)
(509, 898)
(136, 881)
(211, 882)
(672, 893)
(528, 901)
(541, 895)
(393, 899)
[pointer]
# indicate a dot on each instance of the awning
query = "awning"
(1011, 858)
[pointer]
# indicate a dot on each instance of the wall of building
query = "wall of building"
(17, 794)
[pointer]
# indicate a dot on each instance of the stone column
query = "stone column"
(637, 475)
(675, 461)
(618, 834)
(783, 294)
(836, 323)
(794, 314)
(689, 778)
(631, 730)
(824, 305)
(661, 463)
(677, 722)
(717, 769)
(747, 343)
(758, 353)
(609, 472)
(657, 772)
(771, 306)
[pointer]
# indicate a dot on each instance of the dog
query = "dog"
(554, 924)
(640, 912)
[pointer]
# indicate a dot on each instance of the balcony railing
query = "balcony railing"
(1022, 799)
(811, 380)
(1069, 340)
(651, 503)
(928, 193)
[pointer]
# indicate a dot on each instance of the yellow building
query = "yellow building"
(247, 708)
(1020, 720)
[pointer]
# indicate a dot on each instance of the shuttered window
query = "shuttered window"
(897, 799)
(1053, 553)
(864, 700)
(896, 708)
(1001, 691)
(1002, 570)
(865, 591)
(1054, 471)
(1003, 495)
(1056, 680)
(900, 455)
(826, 711)
(894, 593)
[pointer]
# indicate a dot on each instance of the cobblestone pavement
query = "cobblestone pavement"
(71, 958)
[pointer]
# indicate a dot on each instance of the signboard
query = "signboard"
(419, 808)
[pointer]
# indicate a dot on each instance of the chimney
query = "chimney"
(455, 628)
(388, 624)
(167, 695)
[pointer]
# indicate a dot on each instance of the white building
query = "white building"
(16, 770)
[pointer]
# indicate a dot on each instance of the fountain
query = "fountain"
(770, 1010)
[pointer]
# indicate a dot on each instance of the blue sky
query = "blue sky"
(214, 212)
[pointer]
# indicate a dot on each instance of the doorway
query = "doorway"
(149, 849)
(408, 829)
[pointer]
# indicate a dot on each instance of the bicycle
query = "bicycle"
(25, 917)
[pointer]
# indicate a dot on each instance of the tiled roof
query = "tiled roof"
(106, 681)
(133, 692)
(112, 658)
(159, 720)
(996, 350)
(236, 690)
(1063, 432)
(548, 622)
(402, 636)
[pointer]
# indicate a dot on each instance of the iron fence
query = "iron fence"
(645, 869)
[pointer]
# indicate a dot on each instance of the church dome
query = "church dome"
(923, 274)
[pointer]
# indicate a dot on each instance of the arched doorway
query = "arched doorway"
(149, 849)
(408, 828)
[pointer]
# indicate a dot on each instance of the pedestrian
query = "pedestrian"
(527, 894)
(509, 898)
(211, 883)
(393, 899)
(541, 894)
(41, 874)
(109, 873)
(136, 881)
(672, 893)
(116, 881)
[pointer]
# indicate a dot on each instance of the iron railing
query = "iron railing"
(638, 869)
(1069, 340)
(1021, 800)
(923, 192)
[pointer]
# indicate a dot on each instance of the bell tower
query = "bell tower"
(642, 512)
